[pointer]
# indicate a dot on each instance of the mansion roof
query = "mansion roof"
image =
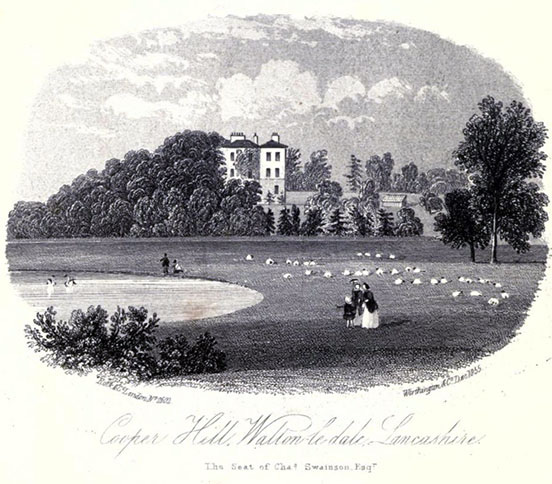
(239, 143)
(273, 144)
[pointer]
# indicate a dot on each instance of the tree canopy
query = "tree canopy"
(501, 153)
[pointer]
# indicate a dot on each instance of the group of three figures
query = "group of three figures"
(361, 309)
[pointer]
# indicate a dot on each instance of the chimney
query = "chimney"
(276, 137)
(255, 139)
(236, 136)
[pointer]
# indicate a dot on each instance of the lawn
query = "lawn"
(295, 338)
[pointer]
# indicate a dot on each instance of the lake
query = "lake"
(172, 298)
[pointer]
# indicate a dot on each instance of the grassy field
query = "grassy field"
(295, 338)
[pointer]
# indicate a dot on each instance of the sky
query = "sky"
(347, 86)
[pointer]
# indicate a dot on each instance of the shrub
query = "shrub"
(204, 357)
(125, 343)
(173, 352)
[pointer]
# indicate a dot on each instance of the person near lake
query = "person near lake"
(370, 317)
(165, 263)
(177, 268)
(349, 312)
(357, 298)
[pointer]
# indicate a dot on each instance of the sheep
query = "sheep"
(346, 272)
(359, 254)
(379, 271)
(378, 256)
(308, 272)
(493, 301)
(358, 273)
(269, 262)
(468, 280)
(312, 263)
(287, 276)
(288, 261)
(443, 280)
(394, 271)
(391, 256)
(497, 284)
(416, 282)
(248, 257)
(306, 263)
(416, 270)
(461, 279)
(365, 272)
(367, 254)
(476, 293)
(398, 281)
(456, 294)
(434, 281)
(504, 295)
(408, 269)
(295, 263)
(327, 274)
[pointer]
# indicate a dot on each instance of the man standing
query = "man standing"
(165, 264)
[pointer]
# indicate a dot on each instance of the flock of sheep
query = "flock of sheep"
(416, 281)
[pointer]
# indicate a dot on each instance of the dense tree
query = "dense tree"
(500, 152)
(408, 224)
(312, 225)
(269, 222)
(379, 169)
(179, 189)
(284, 222)
(359, 223)
(317, 170)
(431, 202)
(248, 163)
(294, 174)
(295, 220)
(462, 224)
(336, 224)
(385, 225)
(354, 176)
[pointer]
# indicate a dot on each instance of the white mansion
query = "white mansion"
(272, 162)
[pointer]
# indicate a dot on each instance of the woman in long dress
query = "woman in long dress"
(370, 317)
(357, 298)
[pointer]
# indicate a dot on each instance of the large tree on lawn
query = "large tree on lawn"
(500, 152)
(462, 225)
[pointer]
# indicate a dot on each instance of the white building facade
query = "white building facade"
(271, 158)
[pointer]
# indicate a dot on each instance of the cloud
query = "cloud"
(428, 92)
(157, 60)
(350, 121)
(341, 88)
(392, 87)
(207, 55)
(336, 27)
(280, 87)
(188, 108)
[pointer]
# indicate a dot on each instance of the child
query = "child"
(177, 268)
(349, 312)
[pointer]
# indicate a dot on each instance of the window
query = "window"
(232, 173)
(276, 189)
(277, 173)
(268, 156)
(268, 172)
(232, 156)
(249, 174)
(277, 156)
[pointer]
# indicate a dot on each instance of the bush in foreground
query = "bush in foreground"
(124, 343)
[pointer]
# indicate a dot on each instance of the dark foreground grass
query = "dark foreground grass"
(295, 338)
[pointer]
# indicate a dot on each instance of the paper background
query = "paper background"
(52, 422)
